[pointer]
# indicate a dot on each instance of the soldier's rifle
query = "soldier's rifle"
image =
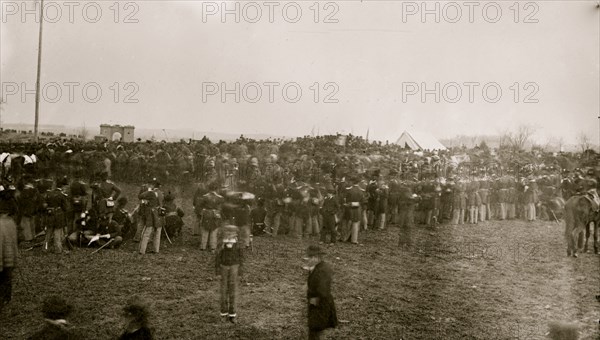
(553, 215)
(104, 246)
(35, 246)
(167, 234)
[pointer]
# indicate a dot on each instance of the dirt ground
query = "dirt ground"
(495, 280)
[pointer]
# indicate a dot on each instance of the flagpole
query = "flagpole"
(37, 82)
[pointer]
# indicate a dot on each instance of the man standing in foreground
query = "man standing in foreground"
(321, 307)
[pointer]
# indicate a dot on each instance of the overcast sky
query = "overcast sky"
(373, 54)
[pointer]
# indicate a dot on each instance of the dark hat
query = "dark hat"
(55, 308)
(314, 250)
(62, 181)
(137, 307)
(122, 201)
(156, 182)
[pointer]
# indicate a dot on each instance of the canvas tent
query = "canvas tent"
(419, 141)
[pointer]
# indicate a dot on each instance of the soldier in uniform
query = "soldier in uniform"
(275, 207)
(446, 200)
(372, 200)
(512, 199)
(210, 208)
(273, 173)
(153, 217)
(254, 175)
(314, 204)
(56, 207)
(426, 205)
(123, 219)
(173, 216)
(406, 203)
(257, 218)
(459, 203)
(79, 202)
(484, 208)
(197, 201)
(503, 198)
(29, 202)
(210, 173)
(394, 197)
(329, 211)
(353, 199)
(362, 184)
(383, 193)
(531, 199)
(104, 193)
(236, 211)
(473, 201)
(301, 222)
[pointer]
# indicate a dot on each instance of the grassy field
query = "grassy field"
(495, 280)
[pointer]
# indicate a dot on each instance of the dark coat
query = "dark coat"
(143, 333)
(56, 332)
(323, 315)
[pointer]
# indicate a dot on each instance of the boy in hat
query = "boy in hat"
(136, 312)
(321, 307)
(56, 310)
(229, 263)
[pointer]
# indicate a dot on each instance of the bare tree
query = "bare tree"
(583, 140)
(521, 137)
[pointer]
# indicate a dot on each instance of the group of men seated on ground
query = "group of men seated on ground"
(63, 212)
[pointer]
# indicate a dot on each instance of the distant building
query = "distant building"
(117, 133)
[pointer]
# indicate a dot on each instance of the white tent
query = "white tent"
(419, 141)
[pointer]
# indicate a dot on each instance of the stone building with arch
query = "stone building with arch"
(117, 133)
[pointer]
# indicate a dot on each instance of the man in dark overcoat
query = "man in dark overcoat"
(321, 307)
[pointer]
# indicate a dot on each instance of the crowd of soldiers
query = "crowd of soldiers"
(268, 192)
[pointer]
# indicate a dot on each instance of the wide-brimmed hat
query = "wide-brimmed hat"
(55, 308)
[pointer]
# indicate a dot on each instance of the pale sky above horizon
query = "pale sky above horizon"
(371, 54)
